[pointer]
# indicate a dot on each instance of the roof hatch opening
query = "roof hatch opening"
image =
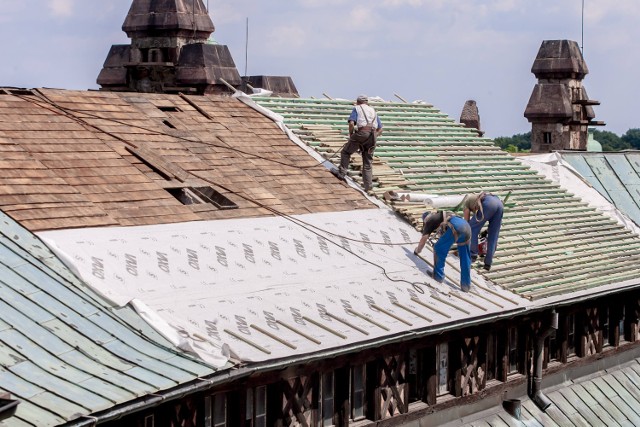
(169, 109)
(201, 195)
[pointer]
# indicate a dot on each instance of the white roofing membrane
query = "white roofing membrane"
(272, 287)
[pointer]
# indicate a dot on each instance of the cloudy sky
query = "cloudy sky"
(440, 51)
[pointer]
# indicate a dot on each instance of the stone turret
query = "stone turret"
(169, 51)
(559, 110)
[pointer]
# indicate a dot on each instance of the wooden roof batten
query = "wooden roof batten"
(321, 124)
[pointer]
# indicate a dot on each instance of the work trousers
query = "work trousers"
(367, 146)
(443, 245)
(492, 210)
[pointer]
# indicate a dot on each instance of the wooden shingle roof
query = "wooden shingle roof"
(551, 243)
(73, 159)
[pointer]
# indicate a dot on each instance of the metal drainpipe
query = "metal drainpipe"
(536, 393)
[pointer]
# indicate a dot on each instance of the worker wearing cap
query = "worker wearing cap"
(364, 127)
(453, 229)
(478, 209)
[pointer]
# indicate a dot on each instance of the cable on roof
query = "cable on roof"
(119, 138)
(312, 229)
(300, 223)
(69, 114)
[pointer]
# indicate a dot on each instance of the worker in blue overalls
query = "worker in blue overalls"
(478, 209)
(452, 229)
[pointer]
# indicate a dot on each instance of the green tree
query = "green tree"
(632, 137)
(519, 142)
(610, 141)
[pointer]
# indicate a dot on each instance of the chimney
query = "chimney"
(559, 110)
(470, 116)
(169, 52)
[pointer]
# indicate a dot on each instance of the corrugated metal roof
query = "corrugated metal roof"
(615, 175)
(611, 399)
(277, 287)
(63, 350)
(551, 243)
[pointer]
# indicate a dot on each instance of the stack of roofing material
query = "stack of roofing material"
(551, 242)
(65, 352)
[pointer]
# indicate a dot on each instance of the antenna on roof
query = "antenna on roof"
(246, 50)
(193, 17)
(582, 42)
(327, 96)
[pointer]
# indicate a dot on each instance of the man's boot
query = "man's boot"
(367, 179)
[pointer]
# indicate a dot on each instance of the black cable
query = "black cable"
(298, 222)
(70, 112)
(310, 228)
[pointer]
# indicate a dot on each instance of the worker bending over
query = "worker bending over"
(364, 127)
(478, 209)
(453, 229)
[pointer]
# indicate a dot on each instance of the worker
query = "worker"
(453, 229)
(364, 127)
(478, 209)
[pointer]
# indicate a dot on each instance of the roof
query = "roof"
(611, 398)
(422, 150)
(73, 159)
(615, 175)
(64, 351)
(281, 287)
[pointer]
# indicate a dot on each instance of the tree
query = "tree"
(518, 143)
(610, 141)
(632, 137)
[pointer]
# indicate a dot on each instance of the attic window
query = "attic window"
(168, 124)
(201, 195)
(169, 109)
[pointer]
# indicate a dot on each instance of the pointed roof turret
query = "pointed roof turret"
(169, 51)
(152, 18)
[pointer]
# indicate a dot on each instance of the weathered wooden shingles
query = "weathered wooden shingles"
(63, 351)
(65, 161)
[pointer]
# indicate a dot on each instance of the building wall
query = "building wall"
(409, 382)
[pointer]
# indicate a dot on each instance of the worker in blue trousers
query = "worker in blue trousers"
(479, 209)
(452, 229)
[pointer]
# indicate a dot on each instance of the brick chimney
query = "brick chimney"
(559, 110)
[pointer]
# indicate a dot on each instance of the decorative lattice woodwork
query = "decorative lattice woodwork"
(297, 401)
(392, 392)
(472, 370)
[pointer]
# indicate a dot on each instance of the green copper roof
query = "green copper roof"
(615, 175)
(550, 243)
(65, 353)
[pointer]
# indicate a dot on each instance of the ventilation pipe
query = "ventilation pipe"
(535, 393)
(513, 407)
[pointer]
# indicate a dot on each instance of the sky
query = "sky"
(443, 52)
